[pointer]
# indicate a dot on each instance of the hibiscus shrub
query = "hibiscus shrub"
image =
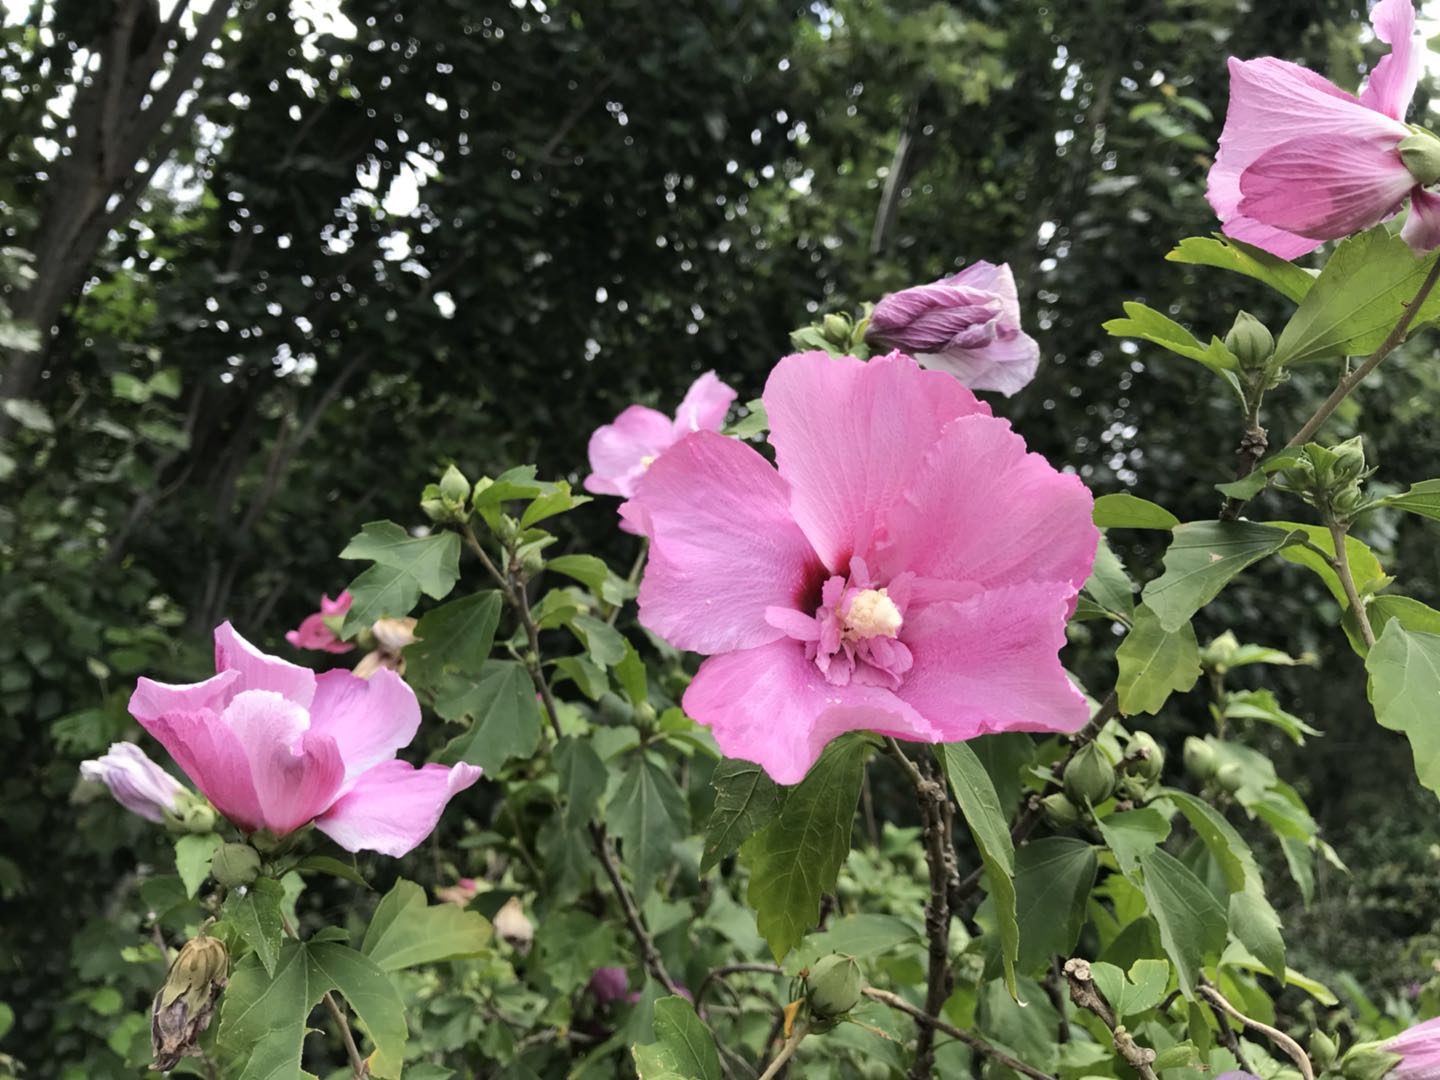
(661, 854)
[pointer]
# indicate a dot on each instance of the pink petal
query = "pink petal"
(1422, 228)
(296, 772)
(369, 719)
(259, 671)
(1273, 101)
(137, 783)
(982, 511)
(1325, 187)
(1005, 365)
(723, 546)
(210, 755)
(394, 806)
(992, 664)
(618, 451)
(339, 606)
(1419, 1048)
(1392, 84)
(312, 633)
(772, 706)
(705, 405)
(152, 699)
(849, 435)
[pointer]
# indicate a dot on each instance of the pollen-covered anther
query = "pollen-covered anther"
(872, 614)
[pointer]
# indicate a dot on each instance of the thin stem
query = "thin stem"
(1347, 384)
(1228, 1038)
(1086, 995)
(633, 578)
(357, 1063)
(1341, 563)
(648, 953)
(925, 1020)
(786, 1052)
(1275, 1035)
(732, 969)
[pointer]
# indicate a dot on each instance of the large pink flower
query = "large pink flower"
(1419, 1050)
(967, 324)
(275, 746)
(621, 452)
(315, 633)
(908, 569)
(1301, 161)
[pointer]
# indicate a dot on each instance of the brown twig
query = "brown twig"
(1228, 1038)
(1275, 1035)
(925, 1020)
(357, 1063)
(718, 975)
(786, 1052)
(1341, 565)
(1086, 995)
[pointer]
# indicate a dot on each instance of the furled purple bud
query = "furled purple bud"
(137, 783)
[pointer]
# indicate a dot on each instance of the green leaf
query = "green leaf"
(1122, 511)
(1131, 834)
(1227, 254)
(1247, 487)
(1407, 611)
(630, 674)
(556, 500)
(1364, 567)
(264, 1017)
(405, 566)
(1053, 877)
(1192, 924)
(504, 717)
(1109, 586)
(193, 853)
(406, 931)
(796, 858)
(586, 569)
(1261, 705)
(862, 936)
(647, 815)
(255, 913)
(454, 637)
(1149, 325)
(754, 422)
(1404, 669)
(29, 415)
(1141, 992)
(1256, 925)
(516, 483)
(1357, 300)
(1422, 498)
(1154, 663)
(582, 779)
(1201, 560)
(990, 826)
(326, 864)
(746, 800)
(683, 1045)
(601, 640)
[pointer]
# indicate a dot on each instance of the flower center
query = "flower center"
(647, 461)
(872, 614)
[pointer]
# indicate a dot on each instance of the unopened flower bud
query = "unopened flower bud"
(1145, 759)
(1347, 502)
(1230, 776)
(1221, 652)
(1089, 777)
(1133, 788)
(513, 926)
(1368, 1061)
(1059, 811)
(235, 865)
(1421, 154)
(137, 783)
(1250, 341)
(191, 814)
(1323, 1050)
(837, 329)
(435, 508)
(1200, 760)
(454, 488)
(186, 1002)
(532, 562)
(1349, 460)
(834, 986)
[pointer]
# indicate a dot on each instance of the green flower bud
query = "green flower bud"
(454, 488)
(834, 986)
(235, 865)
(1133, 788)
(1089, 777)
(183, 1007)
(1368, 1061)
(1323, 1050)
(1200, 760)
(1349, 460)
(192, 814)
(1221, 652)
(532, 562)
(837, 329)
(1230, 776)
(1059, 811)
(1421, 154)
(1250, 341)
(1347, 503)
(1146, 759)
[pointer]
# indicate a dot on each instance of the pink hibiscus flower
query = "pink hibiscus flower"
(908, 569)
(621, 452)
(314, 633)
(1419, 1050)
(1301, 161)
(274, 746)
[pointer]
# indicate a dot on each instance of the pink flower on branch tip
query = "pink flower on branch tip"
(967, 324)
(314, 632)
(137, 783)
(621, 452)
(1302, 162)
(1419, 1050)
(274, 746)
(909, 568)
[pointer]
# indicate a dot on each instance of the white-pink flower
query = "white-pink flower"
(315, 633)
(274, 746)
(137, 783)
(908, 569)
(620, 452)
(1419, 1050)
(1301, 161)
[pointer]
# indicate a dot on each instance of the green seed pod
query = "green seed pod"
(235, 865)
(1059, 811)
(1368, 1061)
(1089, 777)
(834, 986)
(1250, 341)
(1200, 760)
(1323, 1050)
(1230, 777)
(1148, 759)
